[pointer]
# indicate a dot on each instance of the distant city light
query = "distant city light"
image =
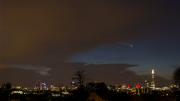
(43, 84)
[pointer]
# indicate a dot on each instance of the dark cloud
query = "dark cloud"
(38, 69)
(4, 66)
(174, 66)
(19, 77)
(61, 73)
(41, 31)
(45, 33)
(108, 73)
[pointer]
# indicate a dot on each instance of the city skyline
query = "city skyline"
(114, 41)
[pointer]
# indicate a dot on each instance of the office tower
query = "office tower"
(146, 83)
(40, 86)
(152, 82)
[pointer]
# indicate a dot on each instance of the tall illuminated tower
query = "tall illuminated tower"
(152, 82)
(40, 85)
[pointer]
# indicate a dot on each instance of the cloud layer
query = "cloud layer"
(56, 29)
(62, 73)
(43, 35)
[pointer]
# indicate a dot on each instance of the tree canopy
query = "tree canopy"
(80, 77)
(7, 86)
(176, 76)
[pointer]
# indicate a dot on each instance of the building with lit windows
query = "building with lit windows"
(152, 82)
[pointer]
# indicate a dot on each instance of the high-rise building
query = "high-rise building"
(40, 85)
(52, 86)
(146, 84)
(152, 82)
(37, 85)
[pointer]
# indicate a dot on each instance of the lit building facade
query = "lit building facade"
(152, 82)
(40, 85)
(146, 84)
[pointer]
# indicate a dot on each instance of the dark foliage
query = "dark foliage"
(176, 76)
(97, 87)
(6, 86)
(80, 95)
(101, 88)
(80, 77)
(120, 97)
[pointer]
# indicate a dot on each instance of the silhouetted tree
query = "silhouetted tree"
(80, 77)
(176, 76)
(6, 91)
(97, 87)
(6, 86)
(91, 86)
(101, 88)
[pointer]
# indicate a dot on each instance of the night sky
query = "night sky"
(114, 41)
